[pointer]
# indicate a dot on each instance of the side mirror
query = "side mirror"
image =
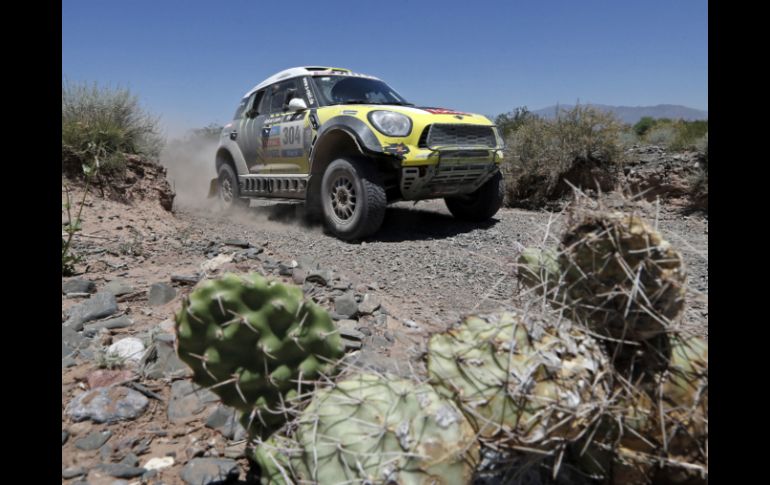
(297, 104)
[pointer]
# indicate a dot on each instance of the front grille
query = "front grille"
(459, 136)
(459, 174)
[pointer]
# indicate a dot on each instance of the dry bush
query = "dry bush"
(580, 146)
(106, 123)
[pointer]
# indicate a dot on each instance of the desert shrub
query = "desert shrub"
(512, 121)
(106, 123)
(688, 133)
(580, 146)
(628, 139)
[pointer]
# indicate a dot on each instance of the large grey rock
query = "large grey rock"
(161, 360)
(346, 305)
(118, 287)
(225, 420)
(107, 405)
(100, 305)
(160, 294)
(93, 440)
(188, 400)
(208, 471)
(77, 285)
(92, 329)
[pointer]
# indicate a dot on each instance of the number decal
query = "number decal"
(291, 135)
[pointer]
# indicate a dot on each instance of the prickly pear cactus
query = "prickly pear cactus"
(519, 383)
(622, 277)
(375, 429)
(253, 342)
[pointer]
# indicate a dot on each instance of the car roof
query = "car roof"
(305, 71)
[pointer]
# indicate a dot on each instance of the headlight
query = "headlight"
(391, 123)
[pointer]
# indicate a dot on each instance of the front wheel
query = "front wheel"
(353, 198)
(480, 205)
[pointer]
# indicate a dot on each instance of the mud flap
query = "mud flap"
(213, 188)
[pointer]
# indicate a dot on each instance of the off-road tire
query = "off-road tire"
(352, 198)
(229, 191)
(480, 205)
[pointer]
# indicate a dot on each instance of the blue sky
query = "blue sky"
(191, 61)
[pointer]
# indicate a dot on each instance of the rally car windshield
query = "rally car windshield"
(356, 90)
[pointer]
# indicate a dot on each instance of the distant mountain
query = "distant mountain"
(632, 114)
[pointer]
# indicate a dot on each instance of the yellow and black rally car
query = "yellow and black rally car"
(348, 145)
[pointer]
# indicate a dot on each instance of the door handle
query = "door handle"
(233, 135)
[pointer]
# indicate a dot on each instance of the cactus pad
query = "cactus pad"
(253, 342)
(520, 384)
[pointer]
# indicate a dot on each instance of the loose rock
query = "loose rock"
(78, 285)
(129, 348)
(369, 304)
(118, 287)
(93, 440)
(160, 294)
(72, 472)
(188, 400)
(107, 405)
(119, 470)
(225, 420)
(98, 306)
(206, 471)
(118, 322)
(346, 305)
(159, 463)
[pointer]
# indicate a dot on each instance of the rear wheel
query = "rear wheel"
(480, 205)
(229, 194)
(352, 198)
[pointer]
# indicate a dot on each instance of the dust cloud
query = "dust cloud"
(190, 167)
(189, 163)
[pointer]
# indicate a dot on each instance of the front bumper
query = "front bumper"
(447, 172)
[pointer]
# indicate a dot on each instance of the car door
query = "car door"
(249, 130)
(284, 131)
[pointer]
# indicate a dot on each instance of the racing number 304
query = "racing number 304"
(291, 135)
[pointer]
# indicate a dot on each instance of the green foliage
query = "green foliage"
(643, 125)
(580, 146)
(106, 123)
(73, 224)
(255, 343)
(676, 135)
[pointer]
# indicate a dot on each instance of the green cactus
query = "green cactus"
(519, 383)
(375, 429)
(622, 278)
(254, 342)
(539, 269)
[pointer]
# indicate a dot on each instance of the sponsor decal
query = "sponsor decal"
(272, 142)
(308, 92)
(398, 149)
(293, 153)
(349, 112)
(275, 130)
(444, 111)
